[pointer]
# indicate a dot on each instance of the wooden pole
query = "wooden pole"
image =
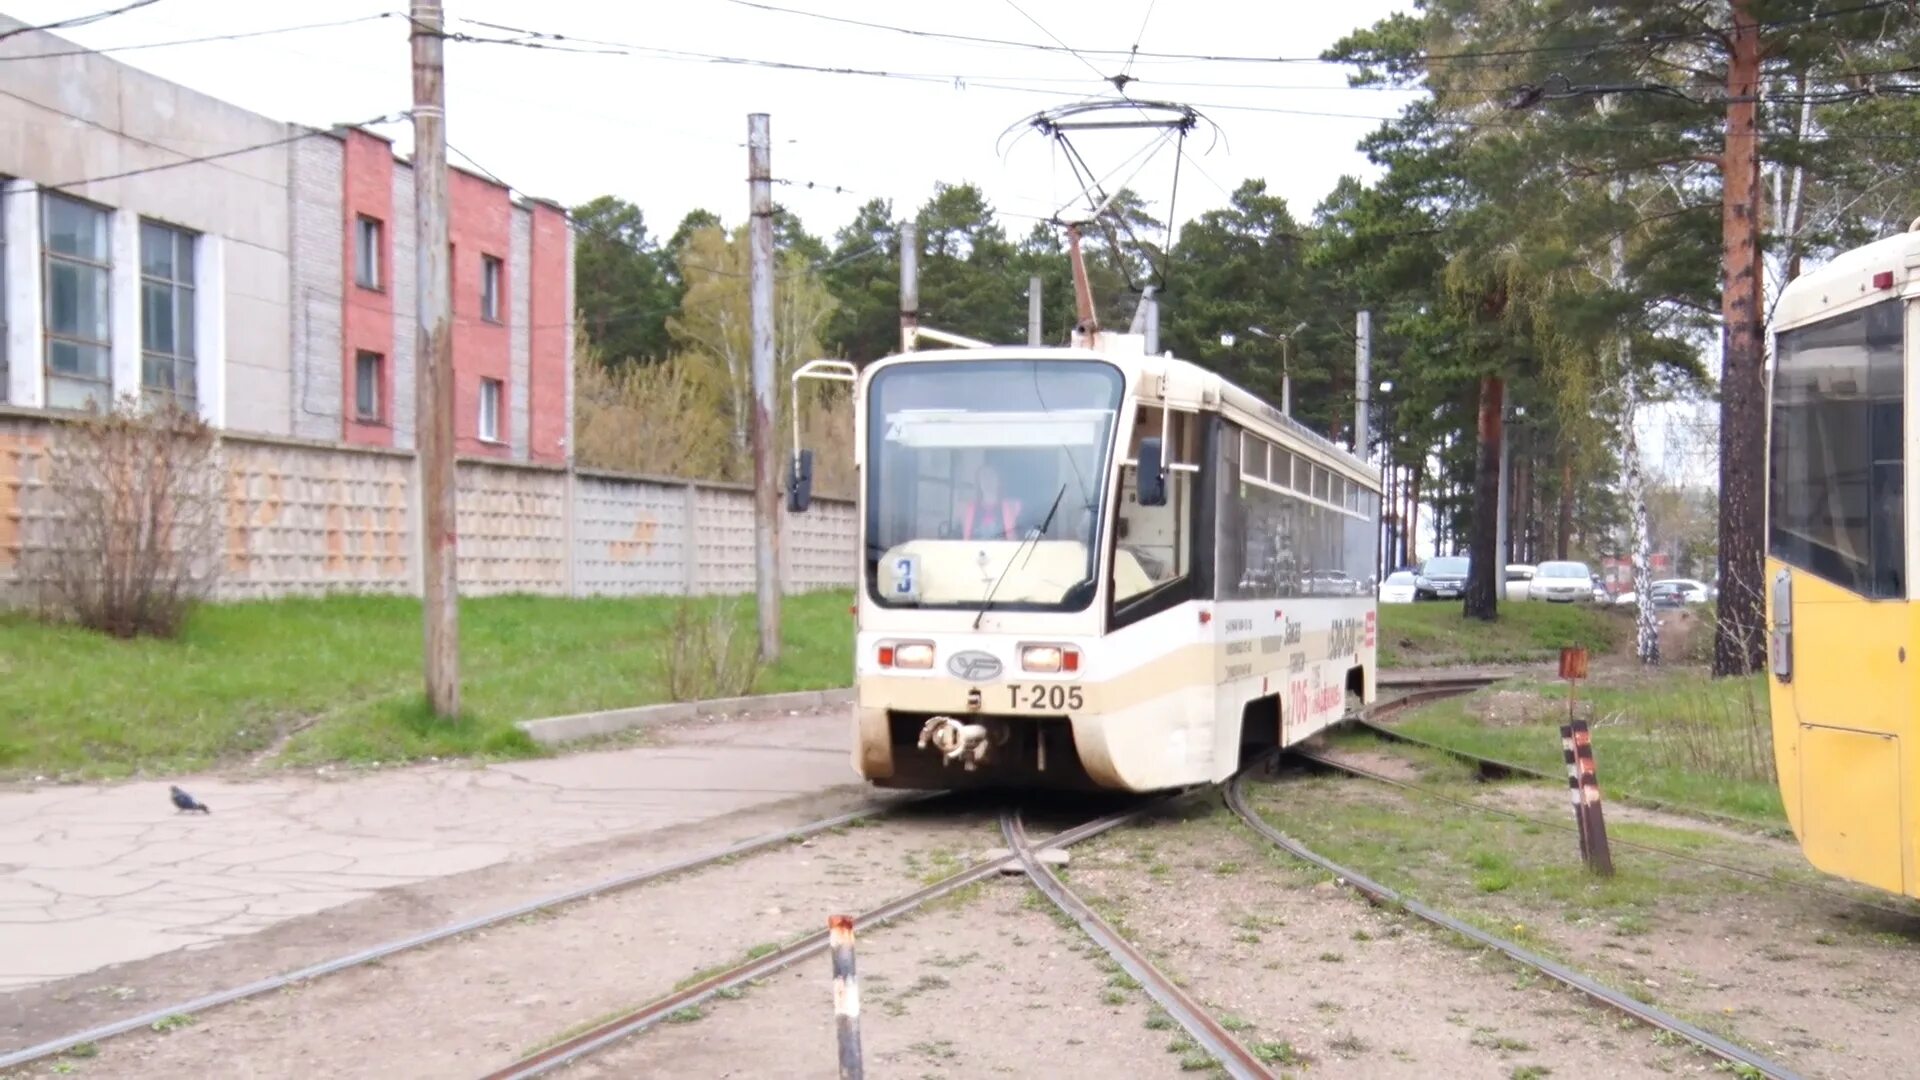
(433, 380)
(766, 493)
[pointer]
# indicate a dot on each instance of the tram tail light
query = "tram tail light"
(1049, 659)
(915, 655)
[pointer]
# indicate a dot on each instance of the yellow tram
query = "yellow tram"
(1845, 657)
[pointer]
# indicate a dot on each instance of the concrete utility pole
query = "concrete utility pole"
(1034, 331)
(766, 504)
(433, 370)
(909, 284)
(1362, 373)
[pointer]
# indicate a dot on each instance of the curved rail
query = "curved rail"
(1599, 992)
(479, 922)
(603, 1035)
(1232, 1055)
(1497, 769)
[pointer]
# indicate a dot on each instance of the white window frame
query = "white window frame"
(491, 391)
(493, 273)
(377, 415)
(48, 257)
(369, 236)
(183, 294)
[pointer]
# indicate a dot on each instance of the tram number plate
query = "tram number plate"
(1044, 696)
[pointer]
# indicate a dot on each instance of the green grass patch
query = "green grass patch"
(339, 680)
(1676, 737)
(1436, 633)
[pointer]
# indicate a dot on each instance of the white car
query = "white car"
(1562, 582)
(1518, 575)
(1672, 592)
(1398, 588)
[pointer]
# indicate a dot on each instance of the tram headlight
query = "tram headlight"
(1049, 659)
(916, 655)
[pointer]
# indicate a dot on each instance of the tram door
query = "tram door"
(1844, 657)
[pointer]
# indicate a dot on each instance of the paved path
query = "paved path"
(91, 876)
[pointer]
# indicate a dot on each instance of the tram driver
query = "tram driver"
(992, 514)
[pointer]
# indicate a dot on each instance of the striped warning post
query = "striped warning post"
(1573, 789)
(1593, 821)
(846, 996)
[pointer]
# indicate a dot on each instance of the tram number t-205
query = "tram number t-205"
(1044, 696)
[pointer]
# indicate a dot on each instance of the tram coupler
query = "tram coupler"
(969, 744)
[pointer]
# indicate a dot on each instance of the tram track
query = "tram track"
(362, 957)
(1385, 896)
(632, 1022)
(1232, 1055)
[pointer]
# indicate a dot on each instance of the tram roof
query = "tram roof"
(1850, 281)
(1188, 384)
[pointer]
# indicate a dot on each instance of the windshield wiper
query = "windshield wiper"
(1029, 539)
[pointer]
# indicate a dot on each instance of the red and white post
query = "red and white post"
(846, 996)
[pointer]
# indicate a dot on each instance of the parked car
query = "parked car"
(1562, 582)
(1442, 578)
(1331, 583)
(1518, 574)
(1399, 587)
(1672, 593)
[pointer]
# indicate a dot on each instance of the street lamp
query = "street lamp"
(1286, 372)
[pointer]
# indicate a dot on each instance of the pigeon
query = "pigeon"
(184, 801)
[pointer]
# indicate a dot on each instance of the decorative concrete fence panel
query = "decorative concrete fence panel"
(309, 518)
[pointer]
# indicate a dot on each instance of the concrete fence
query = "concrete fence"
(308, 518)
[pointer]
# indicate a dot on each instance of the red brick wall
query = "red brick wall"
(366, 317)
(481, 224)
(547, 352)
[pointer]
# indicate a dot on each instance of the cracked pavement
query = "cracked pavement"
(98, 875)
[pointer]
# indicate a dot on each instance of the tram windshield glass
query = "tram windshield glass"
(971, 463)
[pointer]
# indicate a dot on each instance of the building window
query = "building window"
(490, 410)
(166, 315)
(366, 386)
(491, 271)
(366, 253)
(78, 267)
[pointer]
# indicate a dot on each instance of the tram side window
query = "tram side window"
(1836, 478)
(1154, 544)
(1276, 544)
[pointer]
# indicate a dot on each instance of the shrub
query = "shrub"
(712, 651)
(133, 529)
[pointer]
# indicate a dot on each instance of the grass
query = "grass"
(338, 679)
(1647, 737)
(1435, 633)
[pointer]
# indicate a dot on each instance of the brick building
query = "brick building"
(272, 289)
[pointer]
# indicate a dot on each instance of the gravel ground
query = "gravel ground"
(471, 1003)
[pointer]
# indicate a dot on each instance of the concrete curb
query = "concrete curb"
(555, 730)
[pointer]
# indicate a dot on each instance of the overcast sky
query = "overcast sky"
(667, 133)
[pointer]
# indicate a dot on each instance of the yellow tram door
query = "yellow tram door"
(1843, 657)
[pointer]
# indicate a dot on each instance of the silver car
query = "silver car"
(1562, 582)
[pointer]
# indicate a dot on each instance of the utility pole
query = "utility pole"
(1362, 368)
(433, 370)
(1034, 330)
(1153, 322)
(910, 284)
(766, 506)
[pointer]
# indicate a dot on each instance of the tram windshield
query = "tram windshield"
(971, 463)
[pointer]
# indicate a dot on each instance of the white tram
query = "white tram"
(1090, 567)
